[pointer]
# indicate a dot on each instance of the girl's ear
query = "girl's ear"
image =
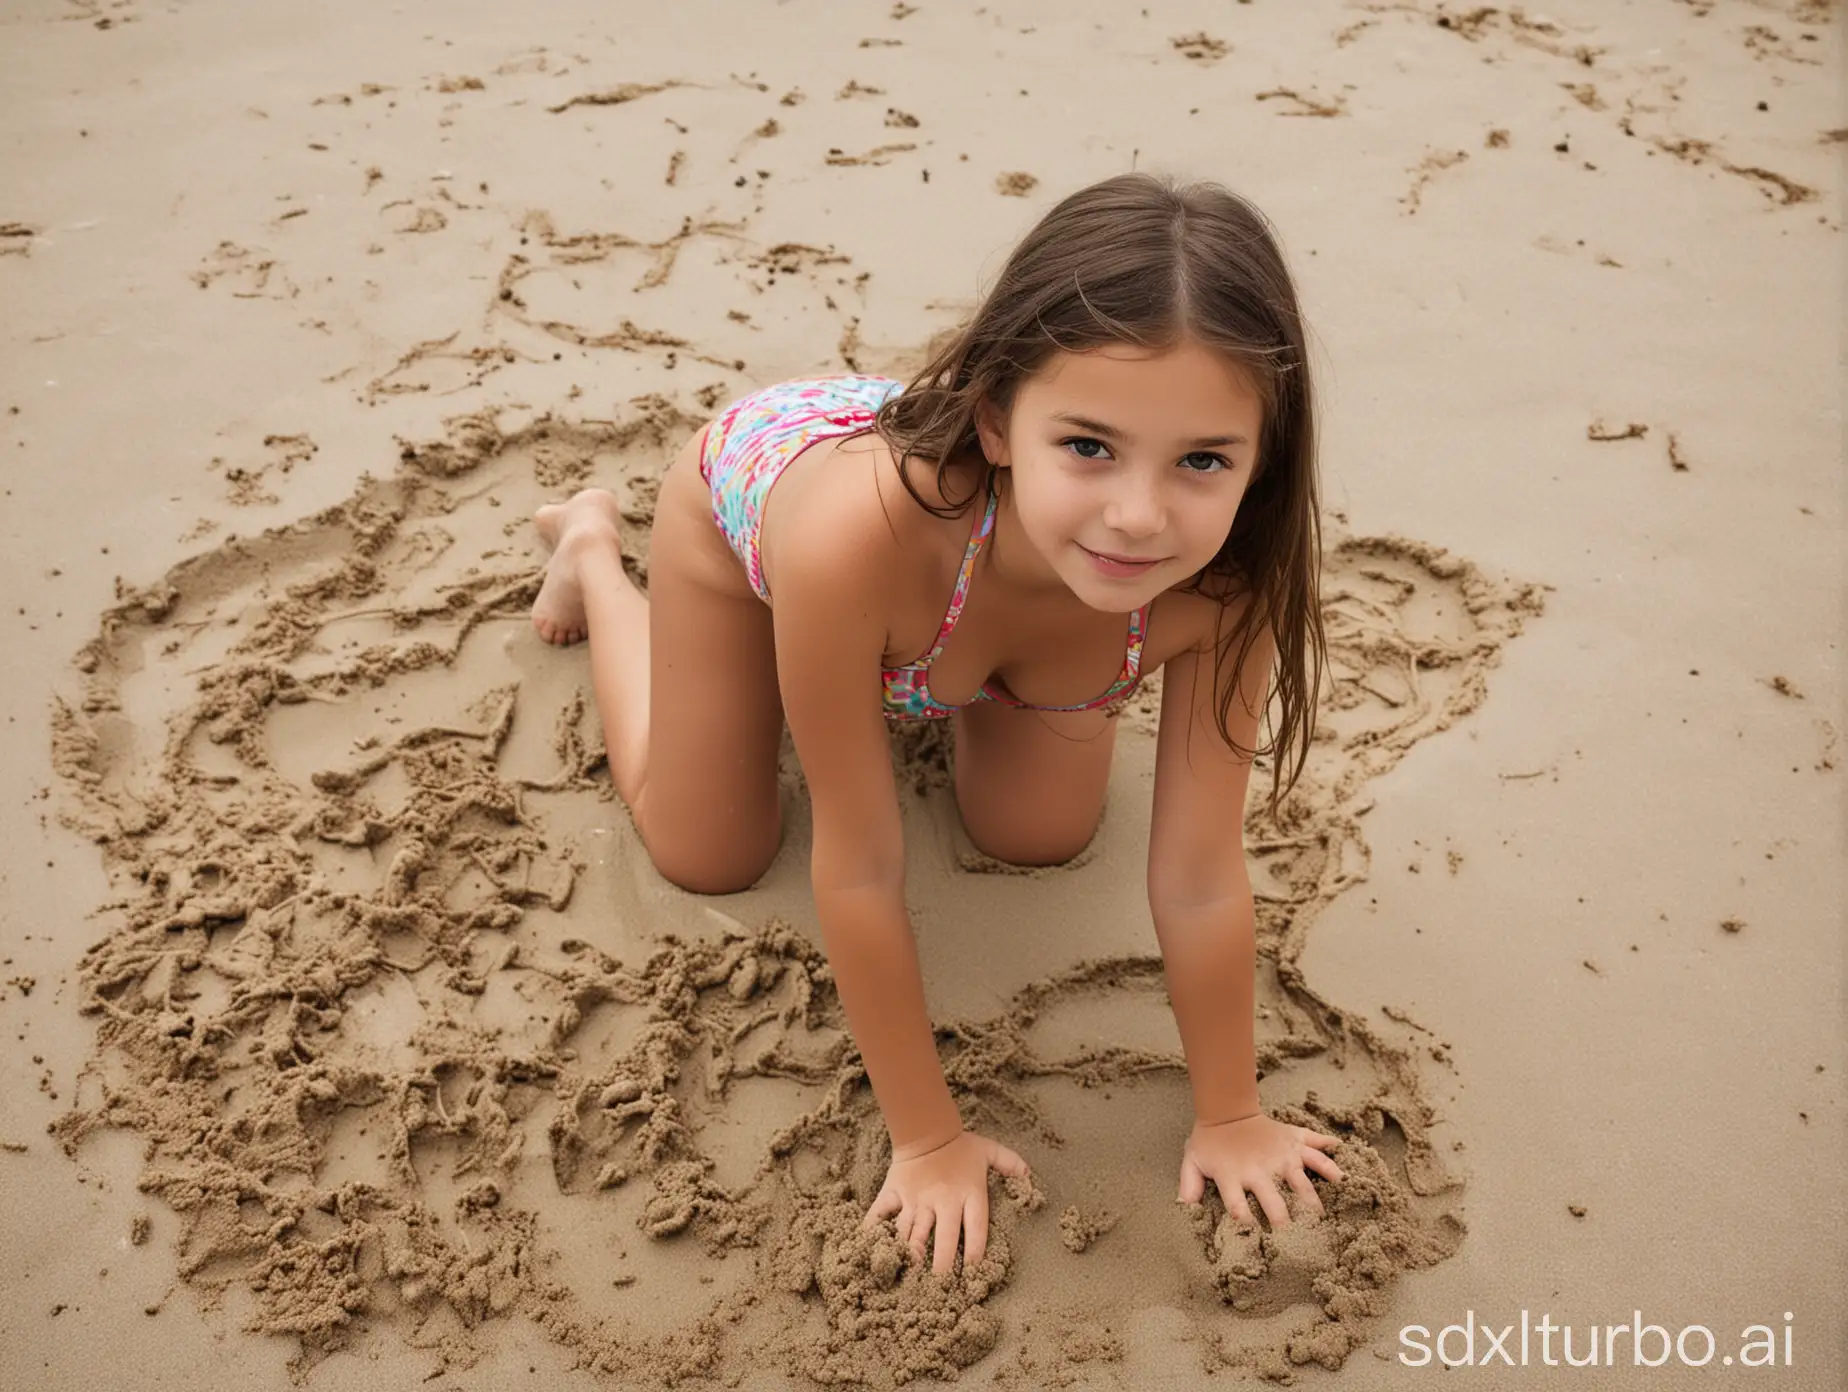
(988, 427)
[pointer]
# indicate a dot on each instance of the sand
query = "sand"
(351, 1035)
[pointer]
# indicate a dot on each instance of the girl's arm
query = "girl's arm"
(867, 932)
(1200, 894)
(1198, 884)
(832, 591)
(829, 607)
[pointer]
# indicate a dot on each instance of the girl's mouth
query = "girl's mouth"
(1116, 567)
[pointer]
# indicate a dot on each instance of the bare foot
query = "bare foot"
(588, 519)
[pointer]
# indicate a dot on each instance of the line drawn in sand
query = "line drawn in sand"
(241, 266)
(416, 1041)
(547, 293)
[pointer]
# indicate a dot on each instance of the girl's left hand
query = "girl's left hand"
(1250, 1154)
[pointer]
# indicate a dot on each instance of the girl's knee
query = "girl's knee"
(708, 865)
(705, 880)
(1048, 844)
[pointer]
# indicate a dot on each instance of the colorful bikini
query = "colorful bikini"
(752, 442)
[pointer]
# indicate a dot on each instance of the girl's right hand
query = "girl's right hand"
(944, 1190)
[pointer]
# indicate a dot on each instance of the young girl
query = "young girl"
(1109, 469)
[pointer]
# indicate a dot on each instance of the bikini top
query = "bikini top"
(907, 694)
(907, 688)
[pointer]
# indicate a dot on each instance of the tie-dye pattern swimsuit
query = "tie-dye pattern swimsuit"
(754, 439)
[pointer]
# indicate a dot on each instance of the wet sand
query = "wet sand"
(349, 1031)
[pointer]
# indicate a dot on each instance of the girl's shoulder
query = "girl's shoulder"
(1195, 618)
(844, 490)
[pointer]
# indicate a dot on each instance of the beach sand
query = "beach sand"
(350, 1034)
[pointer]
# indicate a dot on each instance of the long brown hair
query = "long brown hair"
(1140, 258)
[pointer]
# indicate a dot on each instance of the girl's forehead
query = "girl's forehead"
(1141, 382)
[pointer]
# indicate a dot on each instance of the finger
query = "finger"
(975, 1228)
(1193, 1182)
(1237, 1207)
(949, 1237)
(922, 1222)
(1305, 1191)
(1008, 1162)
(1321, 1164)
(1275, 1209)
(906, 1216)
(887, 1204)
(1321, 1138)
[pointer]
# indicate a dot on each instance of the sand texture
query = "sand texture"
(351, 1004)
(347, 1022)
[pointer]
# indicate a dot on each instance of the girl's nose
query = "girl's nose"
(1135, 509)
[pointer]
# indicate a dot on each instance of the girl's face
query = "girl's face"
(1120, 452)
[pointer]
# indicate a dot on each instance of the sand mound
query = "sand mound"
(359, 987)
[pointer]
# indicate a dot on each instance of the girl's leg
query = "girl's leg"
(587, 594)
(1030, 784)
(692, 715)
